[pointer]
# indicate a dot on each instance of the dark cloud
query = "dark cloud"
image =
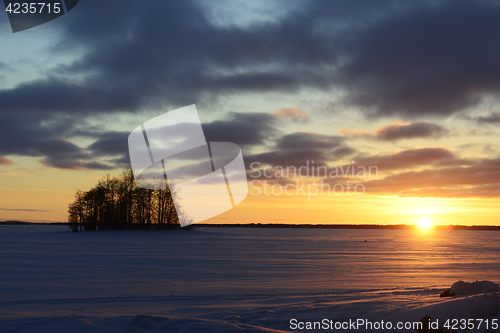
(411, 59)
(434, 58)
(58, 95)
(63, 154)
(122, 162)
(244, 129)
(46, 139)
(52, 139)
(167, 53)
(398, 131)
(493, 118)
(408, 159)
(71, 164)
(300, 148)
(110, 144)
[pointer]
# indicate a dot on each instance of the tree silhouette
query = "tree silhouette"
(118, 203)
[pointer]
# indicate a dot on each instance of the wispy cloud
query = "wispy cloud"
(410, 158)
(292, 113)
(493, 118)
(399, 130)
(5, 161)
(482, 179)
(25, 210)
(295, 149)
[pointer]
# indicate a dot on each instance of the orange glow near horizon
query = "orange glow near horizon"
(55, 189)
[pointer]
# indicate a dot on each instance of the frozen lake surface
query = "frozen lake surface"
(230, 279)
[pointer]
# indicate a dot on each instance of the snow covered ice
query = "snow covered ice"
(238, 279)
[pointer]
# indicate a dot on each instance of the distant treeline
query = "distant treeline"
(118, 203)
(348, 226)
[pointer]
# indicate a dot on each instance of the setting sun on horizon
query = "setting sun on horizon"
(424, 224)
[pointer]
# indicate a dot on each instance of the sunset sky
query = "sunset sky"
(409, 87)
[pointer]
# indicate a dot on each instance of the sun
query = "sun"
(424, 224)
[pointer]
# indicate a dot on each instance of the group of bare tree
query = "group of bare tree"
(118, 203)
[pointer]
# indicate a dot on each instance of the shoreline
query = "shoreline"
(303, 226)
